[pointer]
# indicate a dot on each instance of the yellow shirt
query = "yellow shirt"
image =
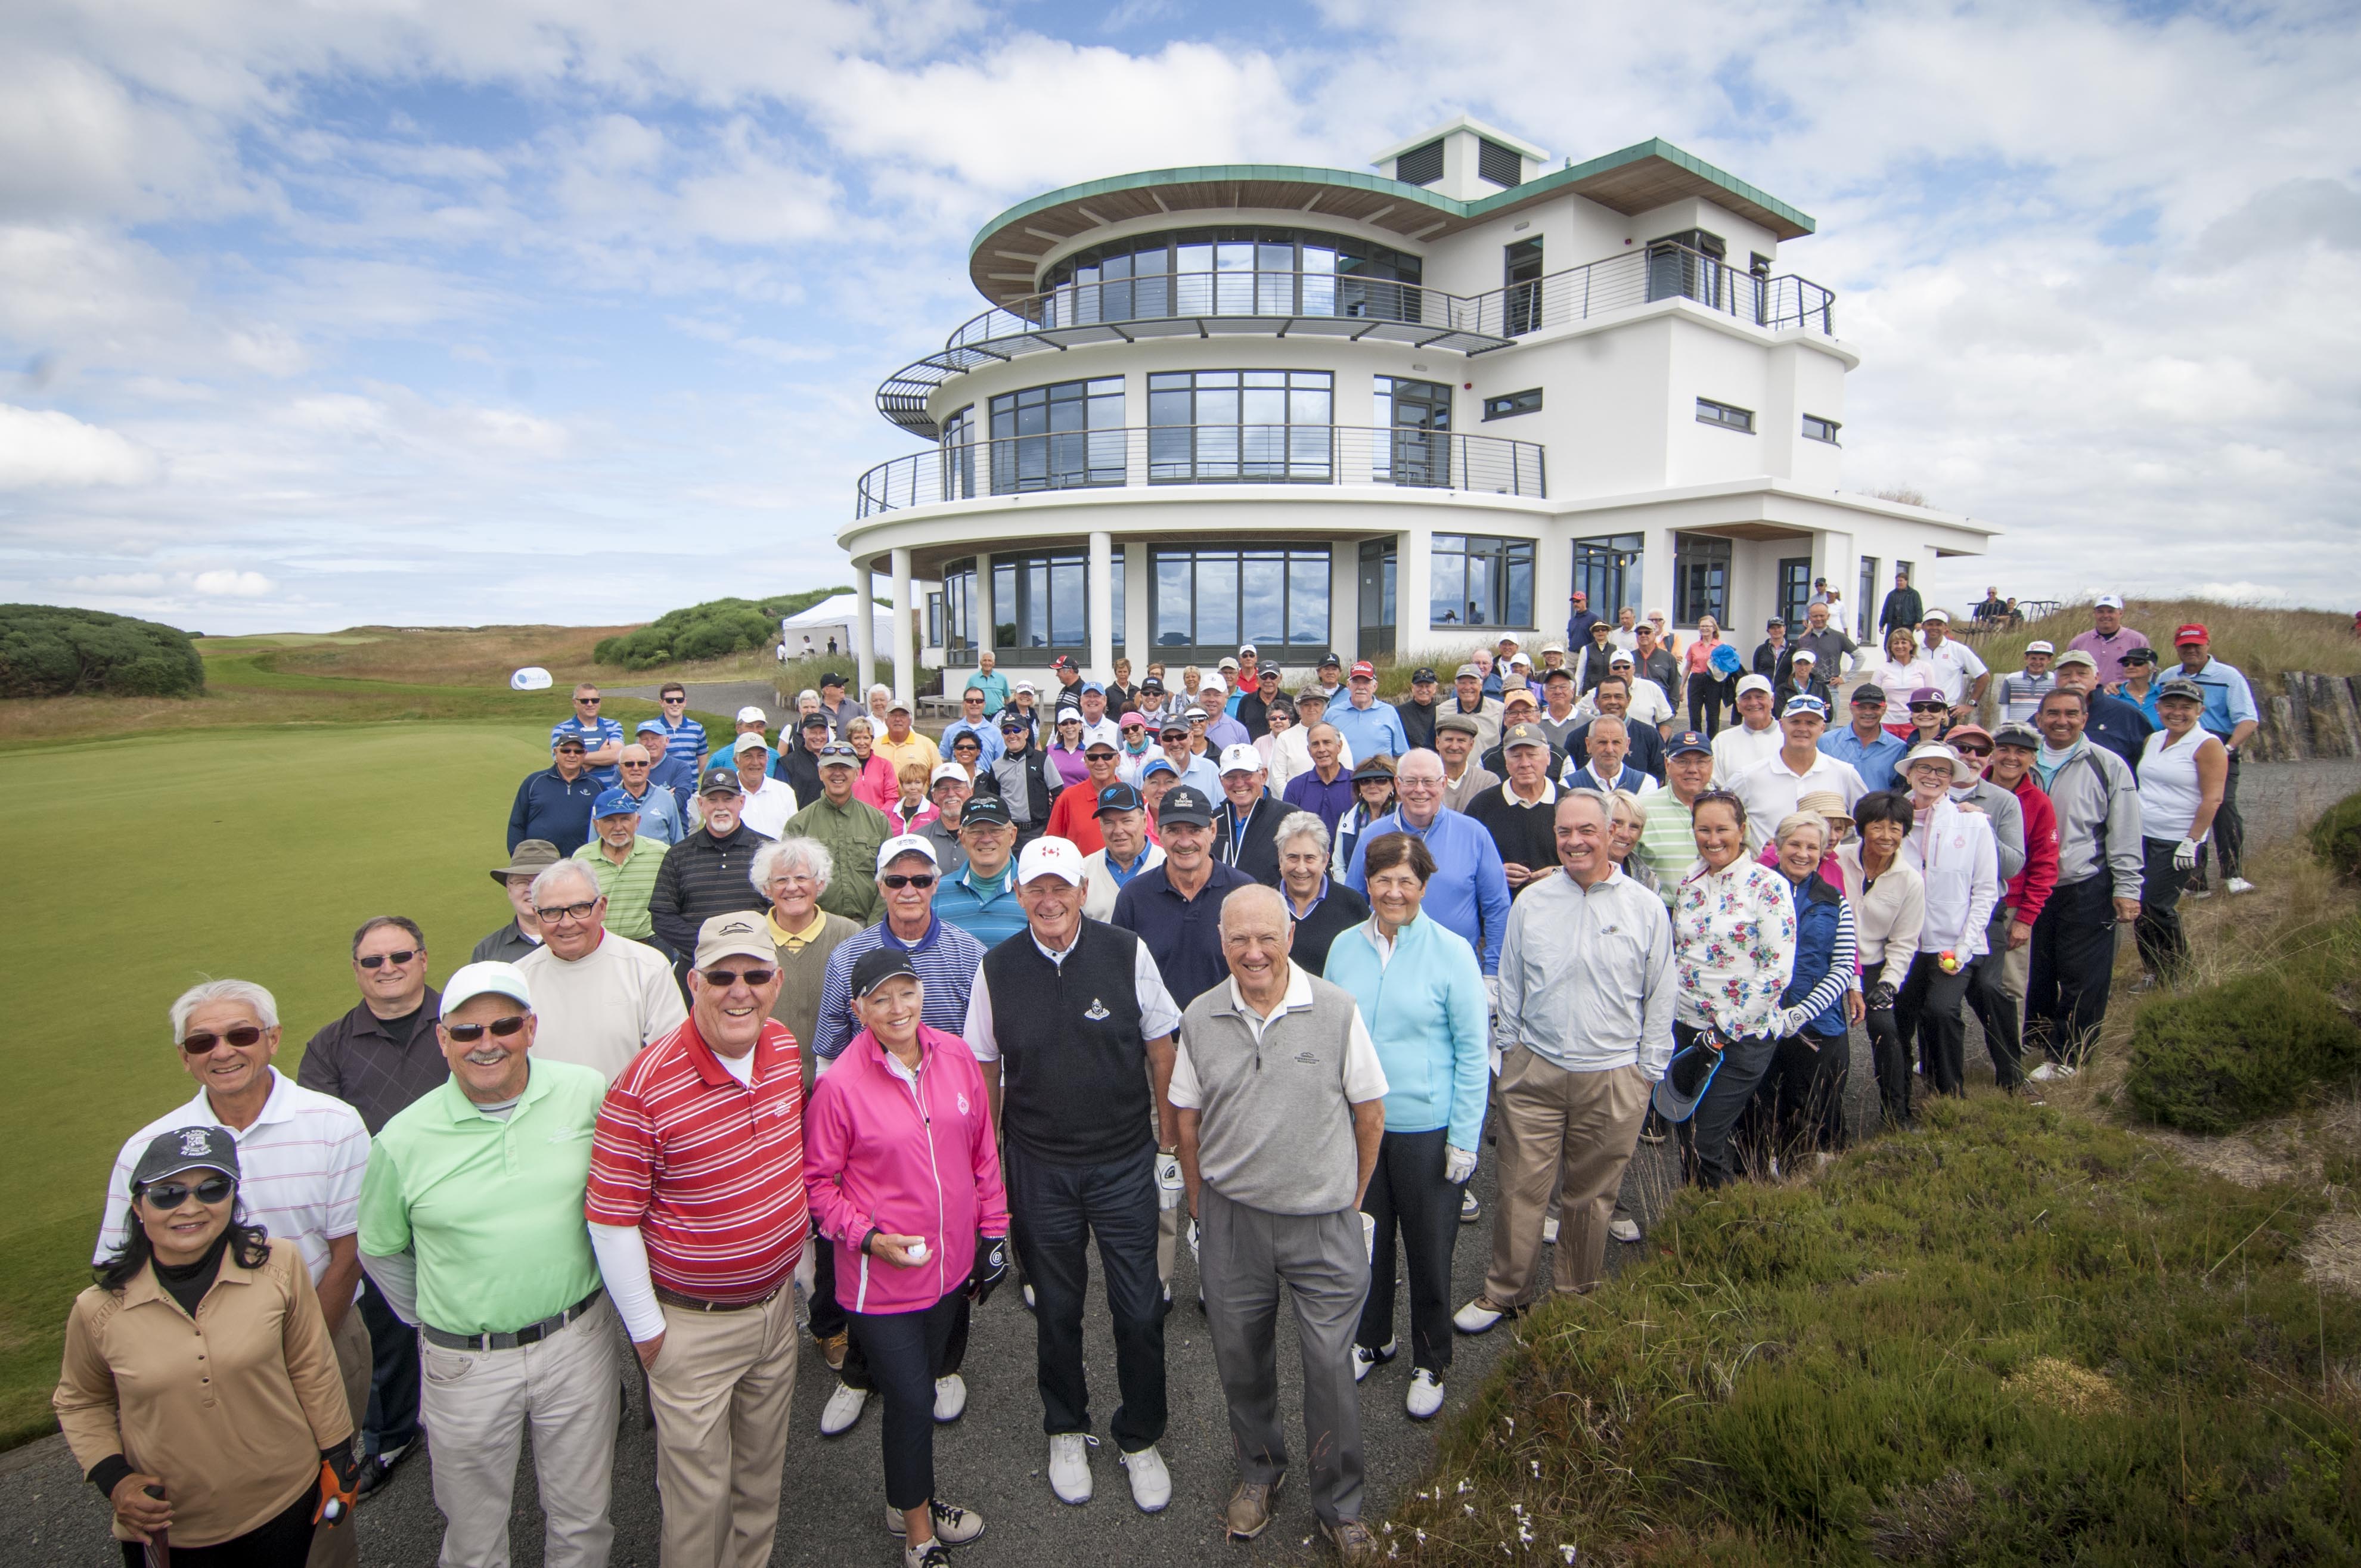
(796, 941)
(917, 748)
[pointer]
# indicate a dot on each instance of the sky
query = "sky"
(455, 311)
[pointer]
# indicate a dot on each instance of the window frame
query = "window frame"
(1494, 409)
(1708, 551)
(1012, 600)
(1315, 563)
(1092, 440)
(1831, 427)
(1509, 556)
(1716, 413)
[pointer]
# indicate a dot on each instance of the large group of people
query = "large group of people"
(876, 1022)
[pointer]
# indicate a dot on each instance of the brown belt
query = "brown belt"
(695, 1304)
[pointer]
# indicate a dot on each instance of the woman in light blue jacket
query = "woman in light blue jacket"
(1420, 991)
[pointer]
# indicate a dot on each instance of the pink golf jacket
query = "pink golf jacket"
(912, 1160)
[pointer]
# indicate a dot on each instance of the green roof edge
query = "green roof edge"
(1448, 207)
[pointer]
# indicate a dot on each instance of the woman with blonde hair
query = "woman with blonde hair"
(1801, 1102)
(1626, 819)
(1900, 670)
(912, 811)
(877, 785)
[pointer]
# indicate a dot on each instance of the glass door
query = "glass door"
(1376, 596)
(1794, 591)
(1523, 280)
(1418, 439)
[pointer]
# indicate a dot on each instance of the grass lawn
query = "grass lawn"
(145, 863)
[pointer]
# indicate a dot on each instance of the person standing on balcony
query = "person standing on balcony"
(1902, 606)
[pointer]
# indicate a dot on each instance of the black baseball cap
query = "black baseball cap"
(1374, 769)
(722, 781)
(1152, 683)
(186, 1148)
(1868, 692)
(877, 966)
(1422, 673)
(1185, 804)
(569, 739)
(2141, 656)
(1011, 720)
(984, 809)
(830, 679)
(815, 721)
(1119, 798)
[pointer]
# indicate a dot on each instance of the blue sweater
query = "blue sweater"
(1469, 894)
(1431, 1019)
(1373, 732)
(547, 806)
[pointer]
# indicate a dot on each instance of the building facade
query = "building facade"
(1376, 414)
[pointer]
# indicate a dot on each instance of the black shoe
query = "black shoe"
(377, 1469)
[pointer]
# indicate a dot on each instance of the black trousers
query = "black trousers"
(1708, 1152)
(2229, 830)
(1888, 1057)
(392, 1419)
(902, 1350)
(284, 1541)
(2163, 947)
(1927, 1014)
(1799, 1105)
(1054, 1210)
(2074, 965)
(1995, 1009)
(1409, 1192)
(1707, 695)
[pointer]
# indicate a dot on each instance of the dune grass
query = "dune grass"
(2264, 644)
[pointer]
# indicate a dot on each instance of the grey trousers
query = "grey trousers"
(1245, 1254)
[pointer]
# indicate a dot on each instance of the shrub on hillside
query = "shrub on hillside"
(52, 650)
(2223, 1056)
(2336, 839)
(714, 630)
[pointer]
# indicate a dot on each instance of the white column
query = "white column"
(905, 641)
(1345, 599)
(1414, 586)
(981, 631)
(1099, 579)
(1136, 588)
(865, 632)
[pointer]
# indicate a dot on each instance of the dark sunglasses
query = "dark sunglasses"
(588, 701)
(1931, 708)
(1972, 751)
(726, 978)
(672, 701)
(554, 913)
(202, 1043)
(171, 1195)
(897, 879)
(468, 1034)
(379, 960)
(631, 765)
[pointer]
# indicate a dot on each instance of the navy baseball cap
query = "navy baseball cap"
(722, 781)
(1120, 798)
(1013, 720)
(815, 721)
(615, 803)
(984, 809)
(1187, 805)
(1686, 741)
(1421, 674)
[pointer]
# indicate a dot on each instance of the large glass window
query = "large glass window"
(1864, 610)
(1057, 437)
(958, 455)
(1608, 569)
(1218, 597)
(1481, 581)
(956, 636)
(1229, 425)
(1416, 449)
(1700, 579)
(1233, 271)
(1794, 590)
(1041, 601)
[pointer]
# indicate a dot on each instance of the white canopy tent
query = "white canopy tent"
(832, 617)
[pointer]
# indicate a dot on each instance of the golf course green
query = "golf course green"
(148, 863)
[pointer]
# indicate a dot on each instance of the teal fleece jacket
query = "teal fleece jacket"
(1431, 1019)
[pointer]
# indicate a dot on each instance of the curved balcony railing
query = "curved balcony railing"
(1182, 455)
(1643, 276)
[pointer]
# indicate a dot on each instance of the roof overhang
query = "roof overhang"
(1008, 253)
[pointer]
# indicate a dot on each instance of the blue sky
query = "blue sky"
(436, 311)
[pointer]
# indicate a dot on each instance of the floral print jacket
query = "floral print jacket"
(1733, 947)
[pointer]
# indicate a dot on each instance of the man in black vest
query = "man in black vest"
(1073, 1028)
(1245, 830)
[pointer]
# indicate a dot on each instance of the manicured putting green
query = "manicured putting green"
(143, 865)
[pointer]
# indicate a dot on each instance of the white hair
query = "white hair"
(546, 884)
(808, 692)
(880, 689)
(1303, 825)
(206, 992)
(786, 854)
(1795, 822)
(1421, 755)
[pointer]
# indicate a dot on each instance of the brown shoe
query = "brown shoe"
(1248, 1513)
(833, 1348)
(1352, 1539)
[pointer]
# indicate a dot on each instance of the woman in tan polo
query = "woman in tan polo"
(199, 1392)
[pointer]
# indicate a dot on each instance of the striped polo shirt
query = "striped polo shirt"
(1667, 843)
(627, 887)
(684, 741)
(593, 735)
(709, 1169)
(946, 958)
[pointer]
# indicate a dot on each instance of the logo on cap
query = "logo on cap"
(1365, 668)
(196, 1143)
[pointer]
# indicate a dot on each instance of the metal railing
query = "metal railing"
(1643, 276)
(1164, 296)
(1206, 454)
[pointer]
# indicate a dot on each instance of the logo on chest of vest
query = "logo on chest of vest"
(1097, 1012)
(1307, 1058)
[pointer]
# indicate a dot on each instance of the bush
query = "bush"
(714, 630)
(52, 650)
(2336, 839)
(2221, 1057)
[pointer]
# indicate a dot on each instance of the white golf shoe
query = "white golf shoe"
(1069, 1466)
(1151, 1484)
(1425, 1395)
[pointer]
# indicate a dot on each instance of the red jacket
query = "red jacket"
(2030, 888)
(920, 1160)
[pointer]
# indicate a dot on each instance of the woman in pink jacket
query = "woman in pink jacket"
(904, 1177)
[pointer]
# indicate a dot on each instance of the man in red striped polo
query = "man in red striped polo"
(696, 1213)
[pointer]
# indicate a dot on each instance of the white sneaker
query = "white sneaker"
(2049, 1072)
(1028, 1297)
(2239, 884)
(1069, 1466)
(1623, 1229)
(1425, 1395)
(950, 1397)
(843, 1408)
(1475, 1318)
(1471, 1207)
(1366, 1360)
(1151, 1484)
(953, 1525)
(1549, 1231)
(934, 1554)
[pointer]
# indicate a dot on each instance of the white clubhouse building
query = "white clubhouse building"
(1390, 414)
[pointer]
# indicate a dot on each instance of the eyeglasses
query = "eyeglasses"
(397, 959)
(672, 701)
(631, 765)
(726, 978)
(554, 913)
(897, 881)
(202, 1043)
(468, 1034)
(170, 1195)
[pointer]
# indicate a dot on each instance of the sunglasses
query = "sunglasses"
(202, 1043)
(635, 765)
(171, 1195)
(725, 978)
(672, 701)
(1931, 708)
(397, 959)
(468, 1034)
(554, 913)
(897, 881)
(1972, 751)
(588, 701)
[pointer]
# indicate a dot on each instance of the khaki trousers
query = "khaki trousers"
(1568, 1132)
(720, 1389)
(338, 1547)
(477, 1403)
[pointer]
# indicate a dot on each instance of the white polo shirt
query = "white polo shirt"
(1737, 750)
(299, 1168)
(1771, 789)
(1955, 664)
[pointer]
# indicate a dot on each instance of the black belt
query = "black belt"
(697, 1304)
(532, 1333)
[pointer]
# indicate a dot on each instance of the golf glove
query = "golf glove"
(1169, 1189)
(1192, 1240)
(2185, 854)
(991, 1268)
(1492, 993)
(1881, 997)
(1459, 1164)
(1369, 1237)
(339, 1486)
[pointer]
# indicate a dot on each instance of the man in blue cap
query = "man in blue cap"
(624, 857)
(668, 768)
(659, 813)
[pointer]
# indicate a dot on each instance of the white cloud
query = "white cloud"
(232, 585)
(43, 449)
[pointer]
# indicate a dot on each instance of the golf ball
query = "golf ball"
(918, 1252)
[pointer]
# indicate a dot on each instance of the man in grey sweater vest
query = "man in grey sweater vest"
(1279, 1099)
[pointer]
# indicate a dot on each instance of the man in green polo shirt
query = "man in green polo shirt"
(471, 1224)
(625, 863)
(1667, 846)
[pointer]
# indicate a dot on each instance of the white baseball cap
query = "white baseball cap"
(1802, 656)
(1241, 759)
(2040, 645)
(2109, 601)
(752, 714)
(1937, 614)
(902, 844)
(1212, 683)
(945, 771)
(1754, 684)
(750, 741)
(491, 978)
(1060, 858)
